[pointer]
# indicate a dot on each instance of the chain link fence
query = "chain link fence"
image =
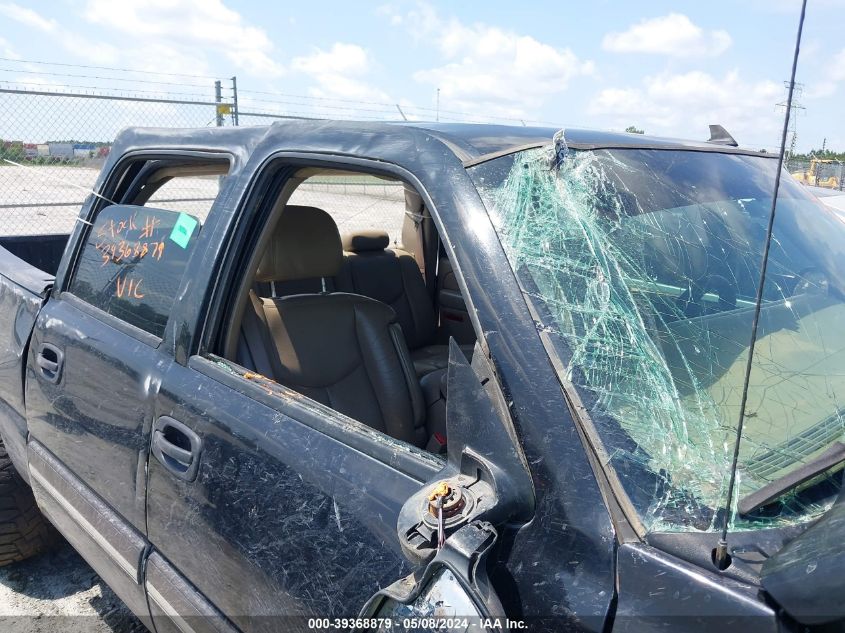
(53, 146)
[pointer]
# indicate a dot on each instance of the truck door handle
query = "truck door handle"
(49, 360)
(177, 447)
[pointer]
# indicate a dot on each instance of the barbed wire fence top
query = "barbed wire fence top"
(53, 146)
(60, 120)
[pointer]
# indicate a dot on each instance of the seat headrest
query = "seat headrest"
(305, 244)
(366, 241)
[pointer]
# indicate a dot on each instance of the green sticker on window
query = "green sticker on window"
(183, 229)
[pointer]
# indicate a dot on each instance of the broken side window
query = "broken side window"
(641, 268)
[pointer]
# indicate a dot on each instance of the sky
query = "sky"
(670, 68)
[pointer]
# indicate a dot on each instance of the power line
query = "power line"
(285, 94)
(385, 105)
(795, 90)
(63, 87)
(326, 107)
(122, 70)
(126, 79)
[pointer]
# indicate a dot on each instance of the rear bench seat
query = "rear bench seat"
(391, 276)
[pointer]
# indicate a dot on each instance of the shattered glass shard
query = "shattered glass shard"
(641, 268)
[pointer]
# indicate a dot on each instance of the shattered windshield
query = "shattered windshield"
(641, 268)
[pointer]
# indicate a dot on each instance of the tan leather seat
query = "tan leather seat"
(344, 350)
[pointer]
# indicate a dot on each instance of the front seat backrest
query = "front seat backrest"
(344, 350)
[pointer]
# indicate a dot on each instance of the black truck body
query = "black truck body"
(292, 513)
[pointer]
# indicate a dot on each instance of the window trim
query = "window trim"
(252, 211)
(111, 184)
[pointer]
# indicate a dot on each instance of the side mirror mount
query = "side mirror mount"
(451, 592)
(485, 477)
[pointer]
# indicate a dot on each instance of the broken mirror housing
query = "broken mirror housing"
(480, 480)
(453, 587)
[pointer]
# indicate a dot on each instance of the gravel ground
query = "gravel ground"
(58, 591)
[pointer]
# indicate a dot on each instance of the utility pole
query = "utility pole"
(793, 115)
(235, 100)
(438, 105)
(218, 97)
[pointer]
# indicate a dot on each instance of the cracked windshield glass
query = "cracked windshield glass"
(641, 269)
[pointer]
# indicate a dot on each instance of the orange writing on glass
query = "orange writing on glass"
(129, 288)
(150, 224)
(114, 229)
(116, 253)
(158, 249)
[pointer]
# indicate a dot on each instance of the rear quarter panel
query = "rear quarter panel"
(23, 289)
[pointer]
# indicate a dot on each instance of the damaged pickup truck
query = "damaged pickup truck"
(516, 408)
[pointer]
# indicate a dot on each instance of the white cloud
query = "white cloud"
(492, 71)
(27, 17)
(829, 82)
(7, 51)
(185, 25)
(339, 73)
(837, 66)
(85, 48)
(391, 12)
(674, 34)
(684, 104)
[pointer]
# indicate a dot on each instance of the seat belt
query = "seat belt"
(254, 327)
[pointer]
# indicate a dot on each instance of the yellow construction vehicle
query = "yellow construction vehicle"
(823, 172)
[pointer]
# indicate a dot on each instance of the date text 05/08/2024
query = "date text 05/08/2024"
(421, 623)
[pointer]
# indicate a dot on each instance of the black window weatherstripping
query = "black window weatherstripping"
(116, 184)
(626, 522)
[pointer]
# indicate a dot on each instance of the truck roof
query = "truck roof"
(470, 142)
